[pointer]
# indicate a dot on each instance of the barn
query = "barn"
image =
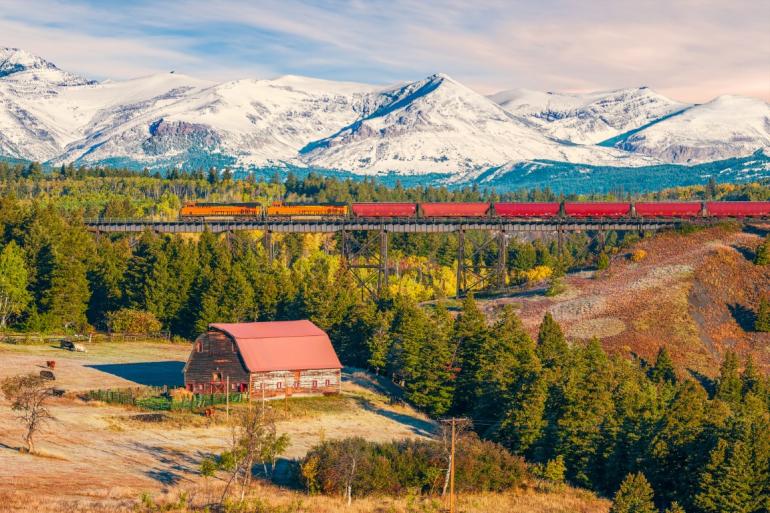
(280, 358)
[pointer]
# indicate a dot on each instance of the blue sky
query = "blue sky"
(691, 50)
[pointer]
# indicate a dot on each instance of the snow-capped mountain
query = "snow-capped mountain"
(588, 118)
(439, 125)
(430, 125)
(728, 126)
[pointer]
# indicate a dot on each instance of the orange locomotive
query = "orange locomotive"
(279, 209)
(220, 211)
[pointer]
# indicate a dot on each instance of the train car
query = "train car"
(668, 209)
(306, 211)
(430, 210)
(384, 209)
(196, 210)
(527, 209)
(738, 208)
(597, 209)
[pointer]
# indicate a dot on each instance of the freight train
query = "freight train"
(477, 210)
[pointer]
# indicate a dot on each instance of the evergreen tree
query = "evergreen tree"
(511, 383)
(762, 256)
(729, 383)
(762, 322)
(726, 480)
(602, 261)
(552, 348)
(634, 496)
(471, 335)
(674, 508)
(14, 279)
(663, 371)
(751, 381)
(586, 397)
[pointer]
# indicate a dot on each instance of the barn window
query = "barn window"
(198, 346)
(279, 385)
(328, 382)
(216, 376)
(315, 383)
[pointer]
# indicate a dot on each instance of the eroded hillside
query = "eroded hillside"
(695, 293)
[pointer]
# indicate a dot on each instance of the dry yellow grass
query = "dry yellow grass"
(267, 498)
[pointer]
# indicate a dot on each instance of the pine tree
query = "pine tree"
(470, 335)
(729, 383)
(511, 383)
(751, 381)
(762, 256)
(726, 482)
(552, 348)
(634, 496)
(663, 370)
(675, 508)
(603, 261)
(14, 279)
(762, 322)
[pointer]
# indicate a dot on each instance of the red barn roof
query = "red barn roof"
(281, 345)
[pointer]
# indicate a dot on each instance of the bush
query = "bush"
(397, 468)
(638, 255)
(536, 274)
(603, 261)
(134, 322)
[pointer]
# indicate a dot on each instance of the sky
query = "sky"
(689, 50)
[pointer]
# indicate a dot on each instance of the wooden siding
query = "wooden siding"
(214, 358)
(280, 383)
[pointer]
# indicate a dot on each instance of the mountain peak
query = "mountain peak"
(16, 60)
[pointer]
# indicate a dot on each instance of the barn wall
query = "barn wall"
(215, 355)
(281, 383)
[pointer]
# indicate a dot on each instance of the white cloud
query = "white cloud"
(689, 49)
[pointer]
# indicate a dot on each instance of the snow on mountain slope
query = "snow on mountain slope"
(26, 79)
(432, 125)
(257, 122)
(438, 125)
(728, 126)
(587, 118)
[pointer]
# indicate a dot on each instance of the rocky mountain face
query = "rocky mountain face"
(434, 125)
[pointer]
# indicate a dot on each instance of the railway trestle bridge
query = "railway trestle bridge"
(367, 258)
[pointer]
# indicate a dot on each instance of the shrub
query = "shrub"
(134, 322)
(536, 274)
(638, 255)
(762, 256)
(358, 467)
(762, 322)
(603, 261)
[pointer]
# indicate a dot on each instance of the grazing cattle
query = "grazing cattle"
(51, 364)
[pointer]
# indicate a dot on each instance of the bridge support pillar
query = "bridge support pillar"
(382, 278)
(267, 243)
(502, 254)
(367, 261)
(460, 262)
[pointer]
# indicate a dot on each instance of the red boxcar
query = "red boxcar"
(668, 209)
(738, 208)
(454, 209)
(384, 209)
(527, 209)
(597, 209)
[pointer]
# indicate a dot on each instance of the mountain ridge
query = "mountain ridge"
(433, 125)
